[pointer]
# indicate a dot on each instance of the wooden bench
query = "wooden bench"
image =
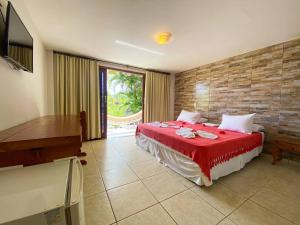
(284, 144)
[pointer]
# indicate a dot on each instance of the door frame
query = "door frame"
(103, 100)
(103, 95)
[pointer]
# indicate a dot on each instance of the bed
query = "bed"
(199, 159)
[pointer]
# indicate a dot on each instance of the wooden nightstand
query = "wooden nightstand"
(284, 144)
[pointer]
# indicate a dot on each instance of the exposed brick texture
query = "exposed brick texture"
(265, 82)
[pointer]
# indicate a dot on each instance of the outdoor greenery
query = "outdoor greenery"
(125, 93)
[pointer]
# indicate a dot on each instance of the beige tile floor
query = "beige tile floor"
(126, 186)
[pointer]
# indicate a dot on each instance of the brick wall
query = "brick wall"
(265, 82)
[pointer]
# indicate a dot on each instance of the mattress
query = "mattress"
(186, 167)
(207, 153)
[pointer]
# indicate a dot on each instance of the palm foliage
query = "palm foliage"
(125, 93)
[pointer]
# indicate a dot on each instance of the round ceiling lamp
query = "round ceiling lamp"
(163, 38)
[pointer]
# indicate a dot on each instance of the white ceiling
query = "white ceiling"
(203, 30)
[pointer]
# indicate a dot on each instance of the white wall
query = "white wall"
(22, 94)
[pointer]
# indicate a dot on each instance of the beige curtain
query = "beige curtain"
(157, 97)
(76, 83)
(22, 54)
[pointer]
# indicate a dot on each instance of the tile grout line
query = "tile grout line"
(227, 216)
(238, 207)
(139, 179)
(188, 189)
(111, 206)
(207, 202)
(91, 195)
(157, 203)
(142, 178)
(157, 200)
(247, 199)
(122, 185)
(116, 220)
(168, 213)
(113, 212)
(109, 200)
(160, 202)
(264, 186)
(272, 211)
(150, 175)
(104, 189)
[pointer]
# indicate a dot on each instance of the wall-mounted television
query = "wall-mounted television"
(18, 43)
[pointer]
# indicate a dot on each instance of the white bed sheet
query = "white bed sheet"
(187, 167)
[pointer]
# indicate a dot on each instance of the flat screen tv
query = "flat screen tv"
(18, 43)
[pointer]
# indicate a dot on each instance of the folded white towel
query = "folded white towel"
(188, 135)
(155, 124)
(164, 125)
(185, 132)
(184, 129)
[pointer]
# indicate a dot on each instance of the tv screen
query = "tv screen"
(18, 46)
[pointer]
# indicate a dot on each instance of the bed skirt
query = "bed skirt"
(187, 167)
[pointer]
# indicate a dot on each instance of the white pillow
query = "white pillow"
(242, 123)
(190, 117)
(257, 128)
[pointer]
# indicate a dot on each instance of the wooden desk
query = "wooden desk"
(284, 144)
(40, 140)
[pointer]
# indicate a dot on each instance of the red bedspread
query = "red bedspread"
(205, 152)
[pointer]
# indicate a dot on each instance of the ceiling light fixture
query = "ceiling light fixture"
(163, 38)
(138, 47)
